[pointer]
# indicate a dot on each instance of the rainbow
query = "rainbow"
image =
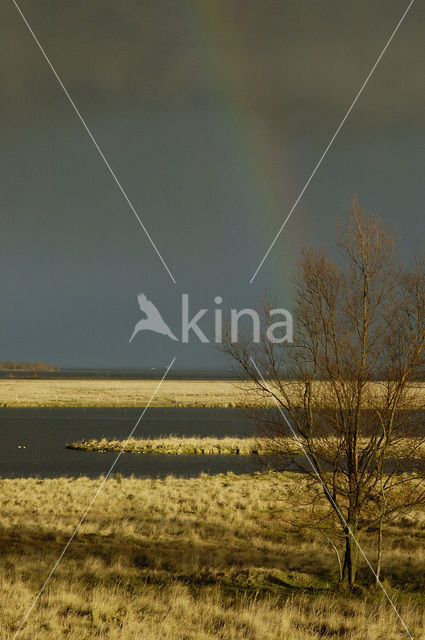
(267, 179)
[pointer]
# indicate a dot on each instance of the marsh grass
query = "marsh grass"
(121, 393)
(185, 559)
(172, 393)
(173, 445)
(196, 445)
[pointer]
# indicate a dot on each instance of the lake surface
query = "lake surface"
(32, 441)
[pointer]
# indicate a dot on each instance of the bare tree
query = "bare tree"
(350, 384)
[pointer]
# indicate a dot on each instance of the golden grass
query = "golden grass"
(119, 393)
(180, 445)
(172, 393)
(190, 559)
(173, 445)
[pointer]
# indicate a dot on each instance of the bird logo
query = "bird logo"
(153, 320)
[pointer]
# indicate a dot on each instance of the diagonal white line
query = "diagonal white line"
(99, 489)
(92, 138)
(331, 141)
(335, 506)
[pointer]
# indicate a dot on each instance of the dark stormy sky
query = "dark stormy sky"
(213, 115)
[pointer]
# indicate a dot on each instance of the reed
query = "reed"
(173, 445)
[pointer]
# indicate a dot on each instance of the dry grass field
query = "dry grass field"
(118, 393)
(172, 393)
(191, 559)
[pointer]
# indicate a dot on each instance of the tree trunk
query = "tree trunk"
(350, 559)
(379, 554)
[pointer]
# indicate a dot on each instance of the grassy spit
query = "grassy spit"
(173, 445)
(176, 445)
(191, 559)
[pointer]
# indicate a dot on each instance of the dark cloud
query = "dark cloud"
(213, 115)
(283, 60)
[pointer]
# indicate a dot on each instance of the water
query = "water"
(32, 441)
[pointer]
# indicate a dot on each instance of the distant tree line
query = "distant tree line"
(7, 365)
